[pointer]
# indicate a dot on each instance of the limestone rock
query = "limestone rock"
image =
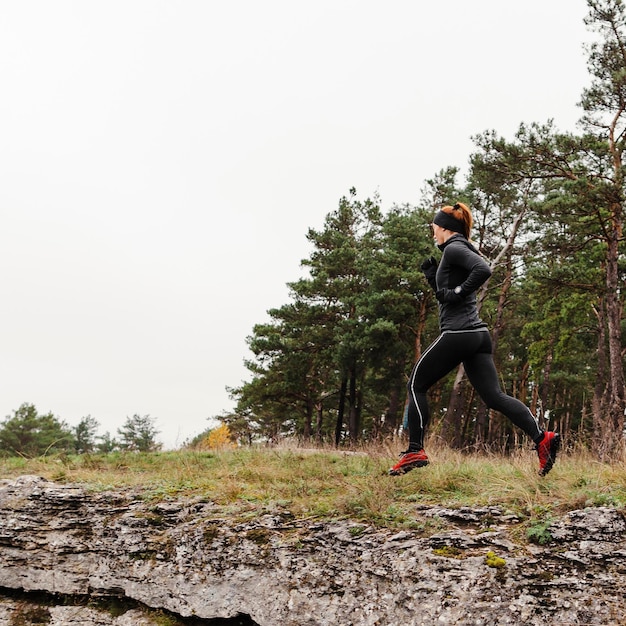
(190, 559)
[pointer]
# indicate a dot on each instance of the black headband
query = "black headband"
(445, 220)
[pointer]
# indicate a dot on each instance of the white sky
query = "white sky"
(161, 162)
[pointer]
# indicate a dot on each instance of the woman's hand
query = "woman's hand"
(429, 268)
(450, 296)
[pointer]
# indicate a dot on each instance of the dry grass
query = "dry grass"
(327, 483)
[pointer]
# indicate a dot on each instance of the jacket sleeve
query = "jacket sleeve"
(478, 270)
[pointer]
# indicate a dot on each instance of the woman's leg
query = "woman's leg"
(482, 374)
(440, 358)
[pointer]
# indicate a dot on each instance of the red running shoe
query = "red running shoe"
(547, 449)
(408, 461)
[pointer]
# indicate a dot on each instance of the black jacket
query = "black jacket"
(461, 266)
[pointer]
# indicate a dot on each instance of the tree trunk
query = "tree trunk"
(453, 422)
(479, 436)
(353, 412)
(308, 420)
(319, 409)
(601, 389)
(390, 424)
(545, 387)
(419, 331)
(341, 410)
(614, 418)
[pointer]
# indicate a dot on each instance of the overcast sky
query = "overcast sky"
(161, 162)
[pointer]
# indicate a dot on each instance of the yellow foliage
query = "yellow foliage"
(219, 439)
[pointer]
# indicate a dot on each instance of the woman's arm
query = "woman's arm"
(460, 253)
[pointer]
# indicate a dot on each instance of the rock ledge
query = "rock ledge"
(186, 559)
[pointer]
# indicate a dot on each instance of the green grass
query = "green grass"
(330, 484)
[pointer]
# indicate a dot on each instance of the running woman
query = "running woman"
(465, 339)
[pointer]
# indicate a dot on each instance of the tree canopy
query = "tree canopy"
(548, 206)
(29, 434)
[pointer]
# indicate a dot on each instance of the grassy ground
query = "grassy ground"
(330, 484)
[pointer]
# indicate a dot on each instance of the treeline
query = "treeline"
(332, 363)
(30, 434)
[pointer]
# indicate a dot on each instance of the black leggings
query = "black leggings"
(473, 349)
